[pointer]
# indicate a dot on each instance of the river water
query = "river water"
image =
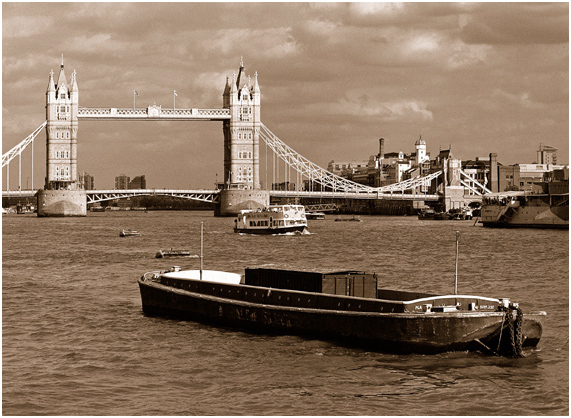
(75, 340)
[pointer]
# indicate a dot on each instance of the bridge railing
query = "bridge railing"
(152, 112)
(94, 196)
(331, 181)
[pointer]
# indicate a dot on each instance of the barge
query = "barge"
(346, 305)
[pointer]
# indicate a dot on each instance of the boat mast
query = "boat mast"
(456, 272)
(201, 246)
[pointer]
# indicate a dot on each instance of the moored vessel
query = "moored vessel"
(274, 219)
(315, 215)
(519, 209)
(346, 305)
(352, 219)
(129, 233)
(174, 253)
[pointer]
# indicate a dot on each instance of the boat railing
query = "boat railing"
(327, 301)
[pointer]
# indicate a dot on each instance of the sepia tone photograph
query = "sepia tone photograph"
(285, 209)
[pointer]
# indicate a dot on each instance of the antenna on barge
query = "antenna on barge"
(201, 246)
(456, 272)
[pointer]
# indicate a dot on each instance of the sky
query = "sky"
(334, 78)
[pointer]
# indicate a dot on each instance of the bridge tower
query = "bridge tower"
(242, 188)
(62, 194)
(453, 189)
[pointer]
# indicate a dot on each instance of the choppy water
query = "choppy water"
(75, 340)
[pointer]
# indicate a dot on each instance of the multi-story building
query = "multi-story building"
(87, 181)
(345, 168)
(523, 176)
(138, 182)
(122, 182)
(546, 155)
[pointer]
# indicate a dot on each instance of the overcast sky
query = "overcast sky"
(334, 78)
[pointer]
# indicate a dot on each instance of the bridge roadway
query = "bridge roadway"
(152, 112)
(94, 196)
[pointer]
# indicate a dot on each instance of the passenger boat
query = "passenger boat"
(174, 253)
(275, 219)
(519, 209)
(129, 233)
(345, 305)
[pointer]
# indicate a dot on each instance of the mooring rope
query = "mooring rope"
(515, 332)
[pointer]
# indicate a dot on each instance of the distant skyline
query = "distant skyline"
(334, 78)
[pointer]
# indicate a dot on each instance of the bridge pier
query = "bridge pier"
(62, 203)
(233, 201)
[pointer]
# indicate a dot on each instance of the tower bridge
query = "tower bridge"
(63, 194)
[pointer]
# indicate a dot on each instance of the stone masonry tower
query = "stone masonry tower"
(61, 129)
(420, 146)
(242, 188)
(62, 194)
(242, 134)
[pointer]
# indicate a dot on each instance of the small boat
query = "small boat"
(315, 215)
(519, 209)
(441, 216)
(275, 219)
(344, 305)
(353, 219)
(460, 214)
(425, 214)
(129, 233)
(174, 253)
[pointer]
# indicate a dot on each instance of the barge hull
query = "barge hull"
(400, 333)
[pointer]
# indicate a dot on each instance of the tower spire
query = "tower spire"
(256, 85)
(51, 85)
(233, 86)
(61, 78)
(240, 72)
(73, 82)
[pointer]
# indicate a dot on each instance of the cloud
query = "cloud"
(387, 111)
(25, 26)
(517, 23)
(327, 71)
(264, 43)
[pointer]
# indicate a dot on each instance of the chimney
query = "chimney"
(494, 178)
(382, 148)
